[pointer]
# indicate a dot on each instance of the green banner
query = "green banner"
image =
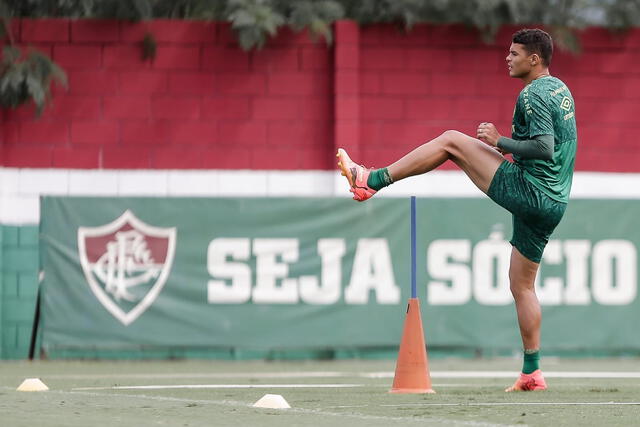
(291, 273)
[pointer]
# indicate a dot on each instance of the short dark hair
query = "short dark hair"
(535, 41)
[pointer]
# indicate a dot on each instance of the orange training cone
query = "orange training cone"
(412, 368)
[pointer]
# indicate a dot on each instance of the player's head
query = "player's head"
(530, 50)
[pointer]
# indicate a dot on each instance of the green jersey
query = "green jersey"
(546, 107)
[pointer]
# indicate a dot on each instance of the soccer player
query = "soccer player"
(534, 187)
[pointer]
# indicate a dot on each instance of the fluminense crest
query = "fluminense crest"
(126, 263)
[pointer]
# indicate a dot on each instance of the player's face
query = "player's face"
(518, 61)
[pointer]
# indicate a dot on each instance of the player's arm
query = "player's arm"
(540, 147)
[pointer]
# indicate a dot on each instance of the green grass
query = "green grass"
(459, 401)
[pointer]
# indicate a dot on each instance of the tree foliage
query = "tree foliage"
(623, 14)
(24, 78)
(29, 78)
(254, 21)
(317, 16)
(407, 12)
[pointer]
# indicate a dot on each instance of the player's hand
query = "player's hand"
(488, 134)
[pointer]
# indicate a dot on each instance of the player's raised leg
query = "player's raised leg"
(476, 159)
(522, 274)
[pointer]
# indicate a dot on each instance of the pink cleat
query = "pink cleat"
(529, 382)
(357, 176)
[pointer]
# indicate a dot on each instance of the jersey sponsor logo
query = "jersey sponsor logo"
(566, 103)
(126, 263)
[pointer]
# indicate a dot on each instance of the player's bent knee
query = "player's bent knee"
(455, 143)
(452, 135)
(452, 138)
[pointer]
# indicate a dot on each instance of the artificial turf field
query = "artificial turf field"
(353, 393)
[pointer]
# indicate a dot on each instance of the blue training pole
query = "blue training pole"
(414, 292)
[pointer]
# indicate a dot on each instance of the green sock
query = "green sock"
(379, 178)
(531, 361)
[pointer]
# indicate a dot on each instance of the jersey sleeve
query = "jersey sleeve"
(540, 116)
(540, 147)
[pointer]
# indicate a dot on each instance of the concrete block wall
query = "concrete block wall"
(18, 288)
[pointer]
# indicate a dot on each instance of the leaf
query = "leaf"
(149, 47)
(35, 90)
(60, 76)
(317, 16)
(144, 8)
(249, 38)
(566, 39)
(242, 18)
(4, 83)
(25, 79)
(10, 53)
(15, 78)
(320, 28)
(330, 10)
(271, 27)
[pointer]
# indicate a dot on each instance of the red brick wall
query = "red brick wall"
(411, 88)
(204, 103)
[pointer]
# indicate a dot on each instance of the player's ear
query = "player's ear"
(535, 59)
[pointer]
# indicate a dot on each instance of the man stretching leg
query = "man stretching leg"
(534, 188)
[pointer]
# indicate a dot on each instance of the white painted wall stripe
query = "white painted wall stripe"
(20, 189)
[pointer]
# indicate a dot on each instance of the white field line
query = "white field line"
(547, 374)
(377, 375)
(223, 386)
(210, 386)
(314, 374)
(399, 405)
(303, 411)
(511, 374)
(519, 404)
(336, 374)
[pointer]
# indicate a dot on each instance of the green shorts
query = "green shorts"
(535, 215)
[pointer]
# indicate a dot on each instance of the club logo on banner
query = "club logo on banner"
(126, 263)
